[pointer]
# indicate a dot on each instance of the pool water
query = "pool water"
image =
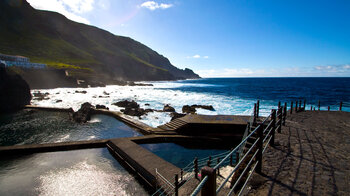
(179, 155)
(35, 127)
(78, 172)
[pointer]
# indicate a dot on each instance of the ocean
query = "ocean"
(230, 96)
(82, 172)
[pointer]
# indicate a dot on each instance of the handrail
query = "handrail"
(243, 172)
(248, 178)
(164, 179)
(236, 167)
(199, 187)
(244, 140)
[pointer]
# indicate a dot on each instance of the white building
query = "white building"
(19, 61)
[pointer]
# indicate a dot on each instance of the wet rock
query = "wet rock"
(206, 107)
(58, 101)
(192, 109)
(103, 96)
(102, 107)
(82, 92)
(149, 110)
(105, 93)
(168, 108)
(134, 111)
(127, 104)
(84, 113)
(130, 83)
(188, 109)
(147, 104)
(40, 96)
(175, 115)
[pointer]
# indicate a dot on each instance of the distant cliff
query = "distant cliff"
(87, 51)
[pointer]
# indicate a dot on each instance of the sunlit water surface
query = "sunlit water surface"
(79, 172)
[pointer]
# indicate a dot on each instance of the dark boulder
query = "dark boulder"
(84, 113)
(102, 107)
(40, 96)
(58, 101)
(127, 104)
(188, 109)
(192, 109)
(82, 92)
(206, 107)
(168, 108)
(175, 115)
(134, 111)
(14, 91)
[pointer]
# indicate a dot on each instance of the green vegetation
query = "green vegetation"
(48, 37)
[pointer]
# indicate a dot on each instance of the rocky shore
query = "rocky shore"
(311, 157)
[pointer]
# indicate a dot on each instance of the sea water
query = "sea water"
(230, 96)
(36, 127)
(78, 172)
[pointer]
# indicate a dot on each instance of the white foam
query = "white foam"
(157, 96)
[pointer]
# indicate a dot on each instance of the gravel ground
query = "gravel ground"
(311, 157)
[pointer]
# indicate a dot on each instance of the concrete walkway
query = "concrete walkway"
(311, 157)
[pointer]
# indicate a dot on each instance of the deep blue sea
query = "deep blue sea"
(228, 96)
(330, 91)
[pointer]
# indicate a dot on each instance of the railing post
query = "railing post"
(182, 174)
(260, 148)
(291, 107)
(273, 127)
(176, 185)
(195, 163)
(280, 120)
(254, 113)
(257, 108)
(319, 105)
(310, 108)
(329, 108)
(209, 161)
(217, 162)
(209, 188)
(296, 106)
(279, 104)
(284, 113)
(304, 104)
(237, 157)
(340, 106)
(299, 105)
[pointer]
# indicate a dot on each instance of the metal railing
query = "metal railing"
(252, 158)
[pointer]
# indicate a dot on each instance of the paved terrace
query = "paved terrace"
(311, 157)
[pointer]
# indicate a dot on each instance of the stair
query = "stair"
(173, 125)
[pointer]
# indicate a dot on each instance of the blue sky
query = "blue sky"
(228, 38)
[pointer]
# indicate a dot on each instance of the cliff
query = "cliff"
(87, 51)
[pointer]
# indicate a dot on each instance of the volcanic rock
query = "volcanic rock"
(168, 108)
(84, 113)
(188, 109)
(14, 91)
(127, 104)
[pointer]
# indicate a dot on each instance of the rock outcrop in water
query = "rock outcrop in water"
(192, 109)
(14, 91)
(84, 113)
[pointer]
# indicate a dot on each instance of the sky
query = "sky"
(229, 38)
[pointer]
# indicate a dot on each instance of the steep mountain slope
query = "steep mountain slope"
(49, 37)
